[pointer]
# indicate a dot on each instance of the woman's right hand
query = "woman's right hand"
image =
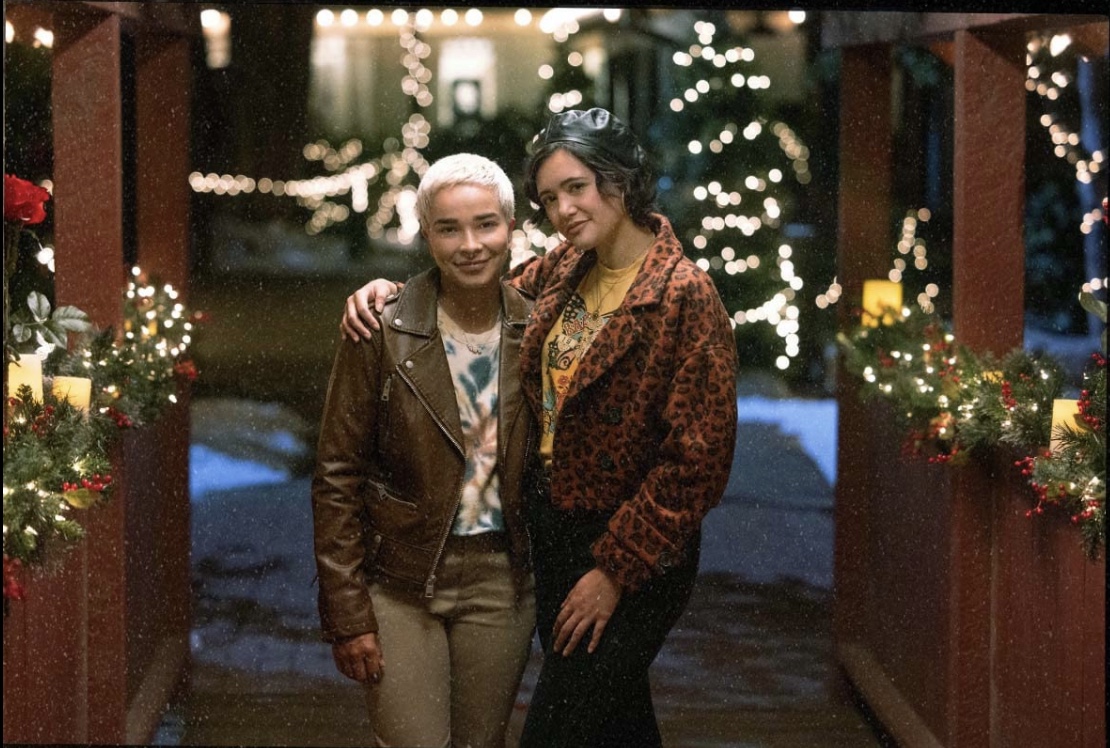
(358, 318)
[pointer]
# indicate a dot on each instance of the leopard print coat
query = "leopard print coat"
(648, 427)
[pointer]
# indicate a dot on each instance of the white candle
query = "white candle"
(882, 302)
(26, 370)
(1063, 414)
(77, 390)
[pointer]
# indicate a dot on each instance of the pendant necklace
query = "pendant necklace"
(476, 344)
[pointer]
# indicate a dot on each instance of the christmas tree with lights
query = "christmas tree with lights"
(732, 172)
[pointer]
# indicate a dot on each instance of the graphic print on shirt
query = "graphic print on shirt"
(564, 351)
(476, 393)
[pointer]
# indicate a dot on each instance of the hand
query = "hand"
(590, 603)
(358, 319)
(360, 658)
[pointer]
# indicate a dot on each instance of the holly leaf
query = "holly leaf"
(46, 335)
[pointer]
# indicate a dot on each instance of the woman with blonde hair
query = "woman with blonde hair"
(421, 547)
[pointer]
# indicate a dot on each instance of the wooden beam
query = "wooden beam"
(1092, 39)
(988, 253)
(855, 28)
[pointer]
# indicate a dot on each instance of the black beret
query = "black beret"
(594, 128)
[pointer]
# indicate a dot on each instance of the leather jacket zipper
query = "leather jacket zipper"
(430, 584)
(524, 495)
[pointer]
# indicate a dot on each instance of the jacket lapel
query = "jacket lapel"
(546, 310)
(515, 311)
(421, 360)
(619, 334)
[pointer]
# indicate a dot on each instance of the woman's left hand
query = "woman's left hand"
(590, 604)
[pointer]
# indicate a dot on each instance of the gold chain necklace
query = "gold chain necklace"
(599, 297)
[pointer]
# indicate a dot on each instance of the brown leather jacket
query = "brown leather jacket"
(390, 459)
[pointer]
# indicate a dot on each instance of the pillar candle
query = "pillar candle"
(1063, 414)
(77, 390)
(882, 302)
(26, 369)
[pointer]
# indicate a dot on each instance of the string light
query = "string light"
(1049, 86)
(350, 173)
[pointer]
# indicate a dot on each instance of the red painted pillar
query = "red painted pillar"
(88, 178)
(988, 247)
(158, 527)
(988, 270)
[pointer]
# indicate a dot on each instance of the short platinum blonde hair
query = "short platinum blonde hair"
(464, 168)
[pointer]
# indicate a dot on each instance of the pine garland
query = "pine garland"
(57, 459)
(955, 405)
(1074, 475)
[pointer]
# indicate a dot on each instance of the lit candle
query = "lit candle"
(1063, 414)
(26, 369)
(77, 390)
(994, 376)
(882, 302)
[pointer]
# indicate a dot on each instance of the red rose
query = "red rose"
(23, 201)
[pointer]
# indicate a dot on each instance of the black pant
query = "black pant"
(604, 698)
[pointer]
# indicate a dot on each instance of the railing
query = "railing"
(961, 621)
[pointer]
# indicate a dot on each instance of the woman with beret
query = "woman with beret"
(629, 363)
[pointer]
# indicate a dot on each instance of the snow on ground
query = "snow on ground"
(210, 471)
(813, 422)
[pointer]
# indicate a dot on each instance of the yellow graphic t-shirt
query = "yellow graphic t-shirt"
(599, 294)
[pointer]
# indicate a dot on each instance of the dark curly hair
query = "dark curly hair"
(629, 177)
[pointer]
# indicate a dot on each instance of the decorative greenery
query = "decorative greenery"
(37, 322)
(955, 405)
(57, 458)
(1074, 474)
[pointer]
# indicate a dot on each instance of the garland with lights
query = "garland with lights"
(955, 405)
(57, 456)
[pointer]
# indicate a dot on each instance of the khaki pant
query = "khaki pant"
(453, 663)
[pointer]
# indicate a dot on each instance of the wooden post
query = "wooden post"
(88, 154)
(158, 530)
(988, 246)
(988, 270)
(95, 651)
(863, 242)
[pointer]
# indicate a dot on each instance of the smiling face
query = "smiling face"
(468, 237)
(569, 195)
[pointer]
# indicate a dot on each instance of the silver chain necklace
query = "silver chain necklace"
(477, 344)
